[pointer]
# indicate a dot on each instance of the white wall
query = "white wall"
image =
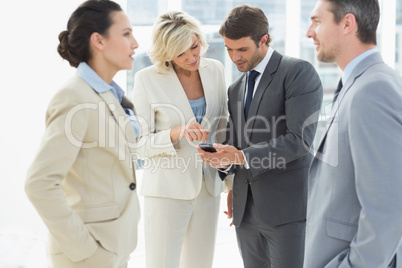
(31, 72)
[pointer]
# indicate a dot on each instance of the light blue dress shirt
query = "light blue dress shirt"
(199, 106)
(351, 65)
(98, 85)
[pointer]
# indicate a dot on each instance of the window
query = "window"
(398, 37)
(211, 13)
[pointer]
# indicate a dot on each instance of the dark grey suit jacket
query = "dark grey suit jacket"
(276, 139)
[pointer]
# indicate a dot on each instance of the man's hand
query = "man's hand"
(225, 156)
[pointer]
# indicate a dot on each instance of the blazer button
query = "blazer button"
(132, 186)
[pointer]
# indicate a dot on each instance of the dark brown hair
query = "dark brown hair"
(366, 12)
(244, 21)
(91, 16)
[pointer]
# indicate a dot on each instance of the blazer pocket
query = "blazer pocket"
(99, 213)
(102, 258)
(341, 230)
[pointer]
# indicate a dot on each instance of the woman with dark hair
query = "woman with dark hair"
(82, 181)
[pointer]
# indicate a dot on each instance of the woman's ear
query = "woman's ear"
(97, 40)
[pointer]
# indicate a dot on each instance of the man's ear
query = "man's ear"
(263, 40)
(97, 40)
(350, 23)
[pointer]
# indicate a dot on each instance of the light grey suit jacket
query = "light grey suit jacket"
(354, 214)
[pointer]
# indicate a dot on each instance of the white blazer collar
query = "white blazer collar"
(173, 88)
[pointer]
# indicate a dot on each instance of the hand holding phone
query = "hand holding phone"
(207, 147)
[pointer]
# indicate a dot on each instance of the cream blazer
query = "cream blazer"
(81, 181)
(176, 170)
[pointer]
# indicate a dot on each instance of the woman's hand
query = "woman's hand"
(192, 132)
(229, 213)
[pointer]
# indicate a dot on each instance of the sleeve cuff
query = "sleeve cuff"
(226, 171)
(245, 161)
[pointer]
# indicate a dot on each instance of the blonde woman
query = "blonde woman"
(181, 101)
(82, 182)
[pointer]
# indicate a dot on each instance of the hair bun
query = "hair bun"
(64, 49)
(63, 36)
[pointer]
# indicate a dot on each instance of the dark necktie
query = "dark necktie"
(338, 89)
(250, 90)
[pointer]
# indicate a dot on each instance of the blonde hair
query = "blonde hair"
(172, 35)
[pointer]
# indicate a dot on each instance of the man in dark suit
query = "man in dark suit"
(273, 109)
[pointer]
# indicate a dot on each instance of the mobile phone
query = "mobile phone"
(207, 147)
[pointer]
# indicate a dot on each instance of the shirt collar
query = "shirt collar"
(351, 65)
(261, 66)
(98, 84)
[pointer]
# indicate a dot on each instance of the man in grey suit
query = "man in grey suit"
(354, 214)
(269, 138)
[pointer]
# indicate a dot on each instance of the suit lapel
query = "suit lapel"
(209, 89)
(240, 122)
(357, 72)
(241, 97)
(173, 88)
(265, 81)
(119, 114)
(171, 85)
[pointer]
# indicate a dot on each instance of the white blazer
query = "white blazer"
(160, 103)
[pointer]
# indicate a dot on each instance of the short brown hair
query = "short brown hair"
(366, 12)
(244, 21)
